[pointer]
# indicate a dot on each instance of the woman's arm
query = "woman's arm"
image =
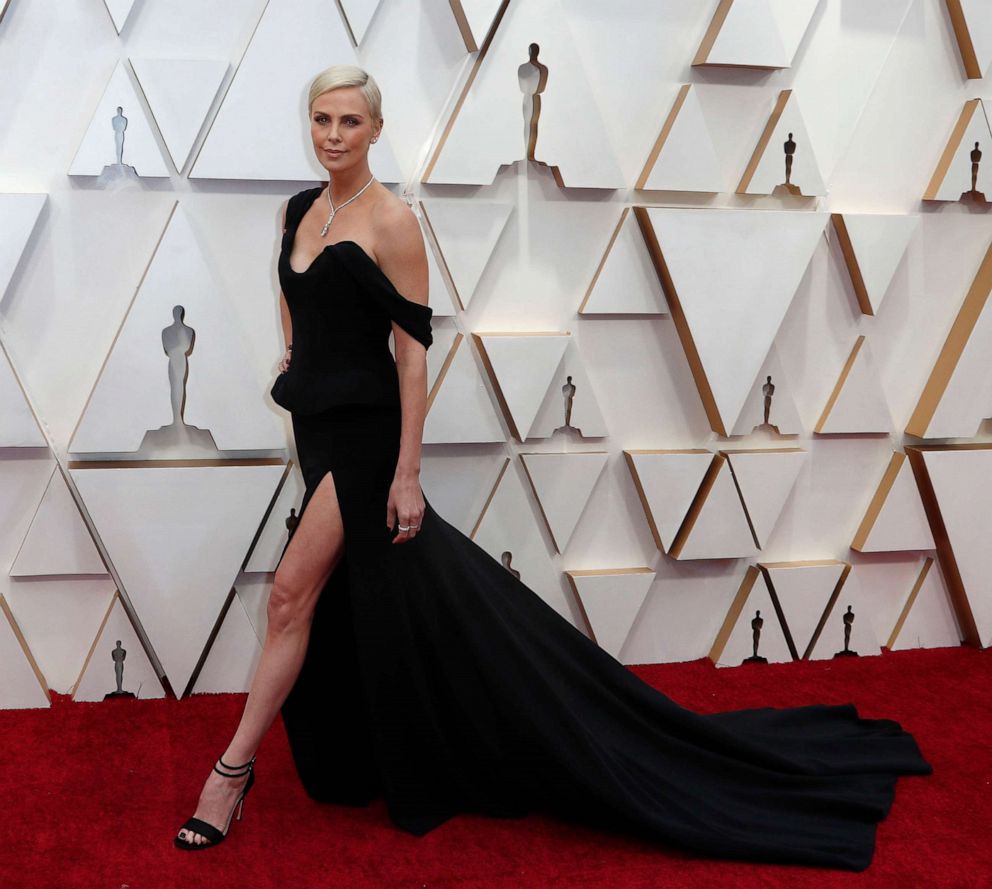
(403, 258)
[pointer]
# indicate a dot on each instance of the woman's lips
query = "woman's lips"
(333, 153)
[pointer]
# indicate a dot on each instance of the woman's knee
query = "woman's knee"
(290, 605)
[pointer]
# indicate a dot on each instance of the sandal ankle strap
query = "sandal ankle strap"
(235, 771)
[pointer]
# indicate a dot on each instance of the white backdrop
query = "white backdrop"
(881, 86)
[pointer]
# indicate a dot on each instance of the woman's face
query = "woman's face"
(342, 128)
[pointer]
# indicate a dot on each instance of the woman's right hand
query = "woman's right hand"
(284, 361)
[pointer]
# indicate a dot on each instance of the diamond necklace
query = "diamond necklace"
(334, 209)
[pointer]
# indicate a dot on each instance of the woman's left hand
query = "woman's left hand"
(406, 503)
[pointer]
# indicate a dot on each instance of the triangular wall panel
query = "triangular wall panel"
(683, 157)
(475, 19)
(291, 43)
(233, 657)
(18, 216)
(873, 245)
(119, 11)
(507, 526)
(958, 393)
(770, 404)
(521, 367)
(765, 479)
(466, 233)
(486, 129)
(570, 400)
(625, 282)
(208, 515)
(927, 619)
(755, 33)
(972, 24)
(563, 484)
(857, 403)
(667, 483)
(140, 148)
(132, 395)
(766, 171)
(461, 410)
(21, 682)
(58, 541)
(98, 676)
(956, 485)
(804, 594)
(20, 427)
(611, 599)
(895, 519)
(716, 526)
(762, 257)
(359, 14)
(751, 623)
(180, 93)
(955, 174)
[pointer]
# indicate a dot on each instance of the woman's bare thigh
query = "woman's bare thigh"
(315, 548)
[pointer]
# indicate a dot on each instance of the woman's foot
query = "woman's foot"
(216, 803)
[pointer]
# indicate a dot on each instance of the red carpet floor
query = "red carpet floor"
(94, 792)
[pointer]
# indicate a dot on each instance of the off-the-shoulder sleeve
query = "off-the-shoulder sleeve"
(413, 317)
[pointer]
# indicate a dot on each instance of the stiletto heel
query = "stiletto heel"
(207, 830)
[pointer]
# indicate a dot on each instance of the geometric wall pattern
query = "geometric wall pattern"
(695, 253)
(755, 33)
(972, 23)
(613, 270)
(955, 482)
(784, 161)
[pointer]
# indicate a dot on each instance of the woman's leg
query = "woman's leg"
(314, 550)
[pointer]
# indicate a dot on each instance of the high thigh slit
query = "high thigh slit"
(437, 680)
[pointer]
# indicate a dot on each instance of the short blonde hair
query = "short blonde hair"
(338, 76)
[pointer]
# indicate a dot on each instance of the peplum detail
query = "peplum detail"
(341, 306)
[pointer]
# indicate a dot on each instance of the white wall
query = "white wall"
(881, 85)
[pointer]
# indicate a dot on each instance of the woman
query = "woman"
(410, 664)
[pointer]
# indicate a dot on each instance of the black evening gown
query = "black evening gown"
(437, 680)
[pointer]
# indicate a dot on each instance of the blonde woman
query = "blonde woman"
(409, 664)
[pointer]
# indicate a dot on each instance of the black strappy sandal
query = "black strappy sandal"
(212, 834)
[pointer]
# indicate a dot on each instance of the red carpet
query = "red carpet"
(94, 792)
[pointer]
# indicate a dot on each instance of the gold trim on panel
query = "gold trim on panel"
(120, 327)
(600, 572)
(698, 502)
(19, 636)
(766, 567)
(439, 254)
(537, 496)
(733, 615)
(961, 330)
(666, 130)
(953, 144)
(878, 501)
(443, 372)
(681, 324)
(481, 345)
(175, 464)
(851, 261)
(489, 499)
(928, 563)
(712, 32)
(759, 149)
(962, 34)
(476, 65)
(945, 552)
(839, 385)
(645, 505)
(603, 260)
(89, 655)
